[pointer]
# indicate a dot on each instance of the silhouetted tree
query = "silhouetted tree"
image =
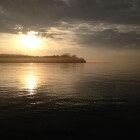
(74, 56)
(66, 55)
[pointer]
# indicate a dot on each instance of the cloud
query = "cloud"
(98, 22)
(111, 39)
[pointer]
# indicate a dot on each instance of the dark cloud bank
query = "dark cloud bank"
(93, 23)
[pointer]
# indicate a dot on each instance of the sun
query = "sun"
(30, 40)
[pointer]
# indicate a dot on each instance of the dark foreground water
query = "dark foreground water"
(69, 100)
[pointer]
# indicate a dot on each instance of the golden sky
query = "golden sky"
(51, 27)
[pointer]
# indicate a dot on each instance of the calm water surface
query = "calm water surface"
(37, 92)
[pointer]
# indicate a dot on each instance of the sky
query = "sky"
(98, 30)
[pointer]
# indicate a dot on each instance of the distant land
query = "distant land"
(17, 58)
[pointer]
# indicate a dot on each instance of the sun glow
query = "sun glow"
(30, 41)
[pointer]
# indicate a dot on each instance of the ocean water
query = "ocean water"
(70, 99)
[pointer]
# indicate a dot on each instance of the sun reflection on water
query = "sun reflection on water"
(30, 80)
(31, 83)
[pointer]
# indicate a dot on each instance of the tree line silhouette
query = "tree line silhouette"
(64, 58)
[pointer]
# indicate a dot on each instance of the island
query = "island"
(17, 58)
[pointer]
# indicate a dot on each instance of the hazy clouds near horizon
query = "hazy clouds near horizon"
(86, 24)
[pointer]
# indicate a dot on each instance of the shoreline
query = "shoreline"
(42, 60)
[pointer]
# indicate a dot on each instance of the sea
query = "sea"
(84, 100)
